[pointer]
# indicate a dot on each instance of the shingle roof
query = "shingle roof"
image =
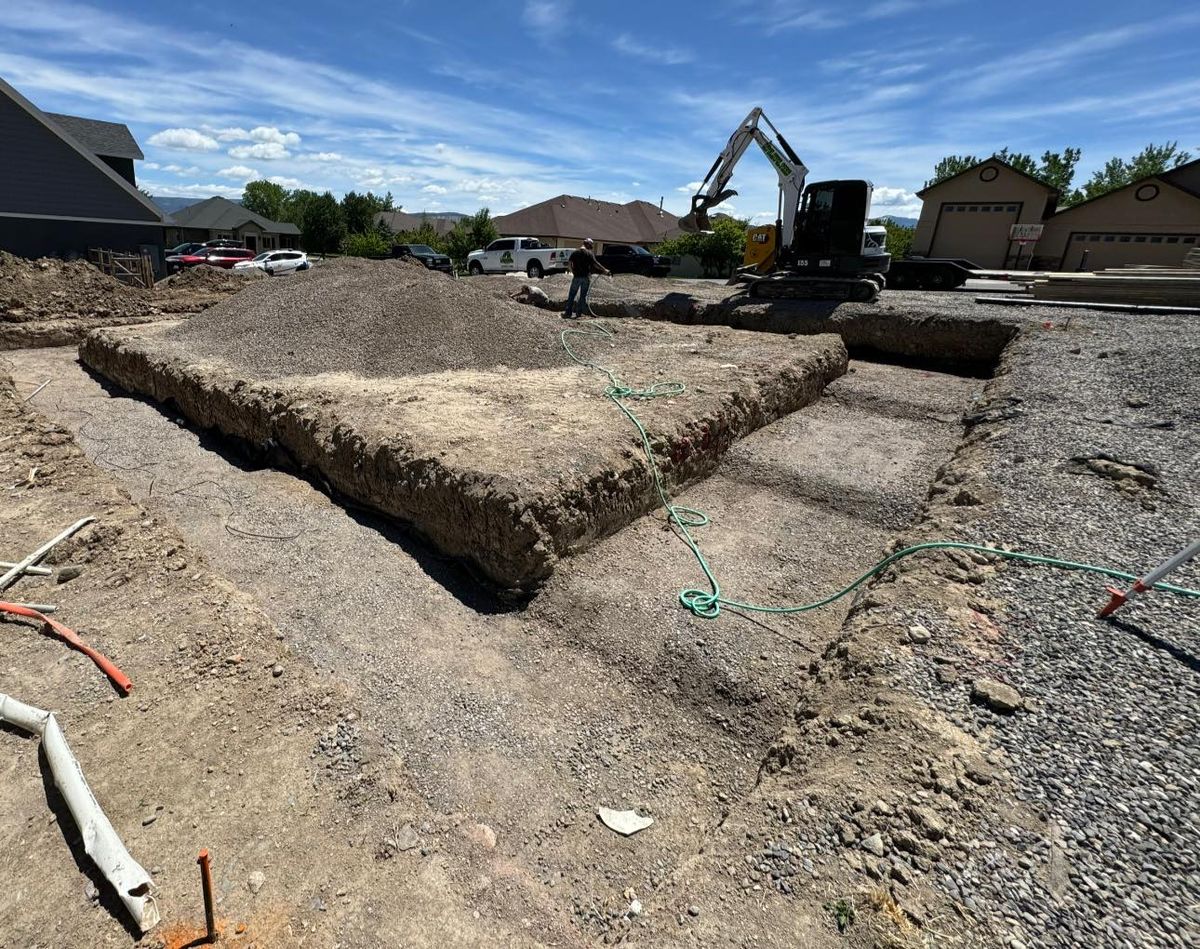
(221, 214)
(638, 222)
(111, 139)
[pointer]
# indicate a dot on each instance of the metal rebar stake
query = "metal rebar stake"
(206, 886)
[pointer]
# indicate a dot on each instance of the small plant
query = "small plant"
(842, 912)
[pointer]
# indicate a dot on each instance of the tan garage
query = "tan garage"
(1151, 221)
(970, 214)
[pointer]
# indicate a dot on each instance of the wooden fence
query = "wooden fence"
(134, 269)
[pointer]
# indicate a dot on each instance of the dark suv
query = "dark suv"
(630, 258)
(425, 254)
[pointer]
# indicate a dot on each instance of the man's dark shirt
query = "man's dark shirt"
(583, 263)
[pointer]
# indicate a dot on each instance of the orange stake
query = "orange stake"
(72, 638)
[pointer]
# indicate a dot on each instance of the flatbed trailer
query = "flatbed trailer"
(948, 273)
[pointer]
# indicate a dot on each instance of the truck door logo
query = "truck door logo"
(506, 257)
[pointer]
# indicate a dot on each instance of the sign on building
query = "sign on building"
(1025, 233)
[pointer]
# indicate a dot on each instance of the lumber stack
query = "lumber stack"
(1169, 287)
(1191, 259)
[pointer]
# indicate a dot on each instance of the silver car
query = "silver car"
(276, 262)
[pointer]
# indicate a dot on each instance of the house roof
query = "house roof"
(1171, 175)
(638, 222)
(221, 214)
(405, 221)
(71, 140)
(109, 139)
(980, 164)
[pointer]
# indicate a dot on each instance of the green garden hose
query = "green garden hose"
(707, 603)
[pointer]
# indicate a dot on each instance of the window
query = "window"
(1012, 208)
(1140, 239)
(531, 243)
(503, 244)
(1124, 238)
(950, 207)
(1108, 238)
(1156, 240)
(1189, 240)
(1080, 237)
(1172, 240)
(973, 207)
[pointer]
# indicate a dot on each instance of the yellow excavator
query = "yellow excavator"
(820, 246)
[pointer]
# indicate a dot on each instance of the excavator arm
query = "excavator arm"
(714, 188)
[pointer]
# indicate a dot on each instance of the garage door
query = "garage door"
(1120, 250)
(978, 232)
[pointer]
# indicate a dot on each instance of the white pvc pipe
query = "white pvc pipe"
(10, 576)
(32, 571)
(100, 841)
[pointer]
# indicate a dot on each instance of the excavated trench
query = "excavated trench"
(508, 470)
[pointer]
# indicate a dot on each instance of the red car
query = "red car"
(213, 256)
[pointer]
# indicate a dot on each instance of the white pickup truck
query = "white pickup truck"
(517, 255)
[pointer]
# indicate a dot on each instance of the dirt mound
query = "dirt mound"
(33, 290)
(204, 277)
(370, 318)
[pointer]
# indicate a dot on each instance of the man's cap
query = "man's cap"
(588, 241)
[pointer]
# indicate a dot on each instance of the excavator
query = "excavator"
(819, 248)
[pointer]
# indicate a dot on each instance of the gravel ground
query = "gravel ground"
(1110, 754)
(371, 318)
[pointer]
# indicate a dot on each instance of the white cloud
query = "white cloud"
(690, 188)
(322, 156)
(241, 172)
(229, 134)
(191, 191)
(434, 189)
(184, 140)
(283, 182)
(661, 55)
(546, 19)
(264, 151)
(181, 169)
(151, 165)
(270, 134)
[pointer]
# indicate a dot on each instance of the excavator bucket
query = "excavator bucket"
(697, 221)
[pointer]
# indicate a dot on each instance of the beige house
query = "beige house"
(970, 214)
(1152, 221)
(221, 218)
(1155, 220)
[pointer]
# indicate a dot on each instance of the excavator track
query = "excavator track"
(841, 289)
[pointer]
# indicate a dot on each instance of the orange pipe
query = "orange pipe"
(69, 636)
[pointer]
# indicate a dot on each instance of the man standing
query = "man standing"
(583, 264)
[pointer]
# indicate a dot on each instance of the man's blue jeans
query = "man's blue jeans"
(579, 285)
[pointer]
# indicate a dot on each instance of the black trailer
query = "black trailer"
(930, 273)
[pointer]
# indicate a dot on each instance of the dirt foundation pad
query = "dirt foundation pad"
(509, 469)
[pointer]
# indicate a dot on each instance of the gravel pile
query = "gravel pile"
(34, 290)
(370, 318)
(1105, 744)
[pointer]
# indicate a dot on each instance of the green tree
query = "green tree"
(323, 226)
(1057, 169)
(719, 250)
(470, 233)
(265, 198)
(899, 237)
(369, 244)
(1117, 172)
(359, 210)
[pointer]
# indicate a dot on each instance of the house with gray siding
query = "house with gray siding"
(58, 196)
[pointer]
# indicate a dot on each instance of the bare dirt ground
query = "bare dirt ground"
(50, 302)
(483, 431)
(599, 692)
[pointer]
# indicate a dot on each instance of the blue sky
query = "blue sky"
(451, 106)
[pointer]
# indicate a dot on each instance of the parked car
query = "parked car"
(630, 258)
(225, 257)
(187, 248)
(223, 242)
(516, 254)
(276, 262)
(425, 254)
